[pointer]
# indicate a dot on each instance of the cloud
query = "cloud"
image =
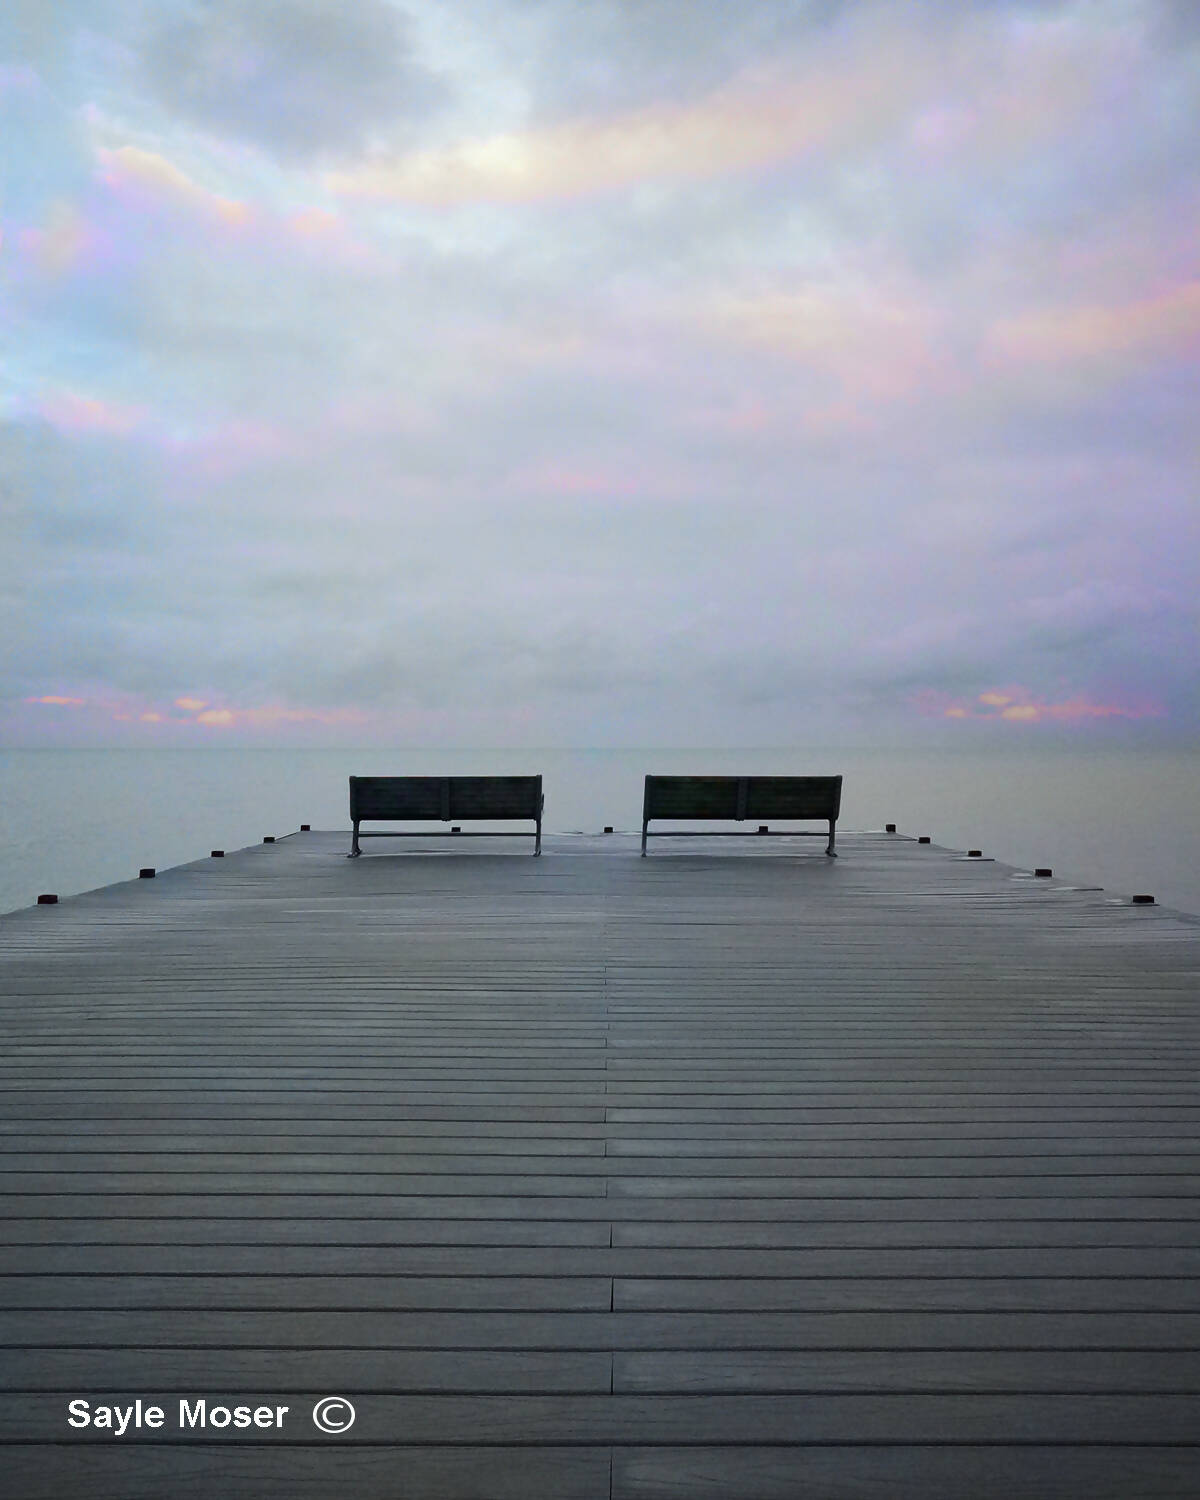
(767, 115)
(1019, 706)
(126, 169)
(580, 55)
(864, 344)
(73, 411)
(1167, 321)
(62, 242)
(297, 77)
(887, 75)
(1177, 22)
(275, 716)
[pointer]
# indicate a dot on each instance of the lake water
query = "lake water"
(71, 820)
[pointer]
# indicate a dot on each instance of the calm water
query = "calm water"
(71, 820)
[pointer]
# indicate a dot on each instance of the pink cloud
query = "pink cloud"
(272, 715)
(222, 448)
(862, 83)
(743, 416)
(73, 411)
(575, 479)
(138, 194)
(128, 709)
(1164, 322)
(67, 241)
(211, 450)
(147, 182)
(862, 344)
(149, 177)
(217, 447)
(260, 717)
(1018, 705)
(326, 233)
(1085, 708)
(835, 96)
(944, 128)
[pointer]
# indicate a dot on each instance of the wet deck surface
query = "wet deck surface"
(730, 1172)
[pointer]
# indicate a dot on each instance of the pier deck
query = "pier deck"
(734, 1171)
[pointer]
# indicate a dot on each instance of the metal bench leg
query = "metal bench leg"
(355, 851)
(829, 849)
(644, 823)
(537, 842)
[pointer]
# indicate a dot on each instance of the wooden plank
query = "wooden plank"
(495, 796)
(858, 1472)
(540, 1158)
(207, 1327)
(873, 1234)
(472, 1371)
(839, 1263)
(281, 1116)
(463, 1472)
(794, 797)
(383, 1292)
(202, 1150)
(620, 1419)
(529, 1157)
(713, 797)
(397, 1371)
(808, 1371)
(944, 1293)
(1113, 1234)
(403, 1202)
(994, 1187)
(437, 1179)
(759, 1473)
(201, 1230)
(396, 796)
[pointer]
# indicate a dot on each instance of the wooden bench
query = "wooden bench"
(738, 798)
(426, 799)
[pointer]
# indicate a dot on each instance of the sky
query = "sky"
(599, 372)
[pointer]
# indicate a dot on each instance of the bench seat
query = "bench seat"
(740, 798)
(427, 799)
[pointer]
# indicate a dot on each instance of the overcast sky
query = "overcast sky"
(599, 371)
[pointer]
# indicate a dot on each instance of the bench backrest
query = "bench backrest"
(740, 797)
(421, 798)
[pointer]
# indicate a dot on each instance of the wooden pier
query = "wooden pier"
(731, 1172)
